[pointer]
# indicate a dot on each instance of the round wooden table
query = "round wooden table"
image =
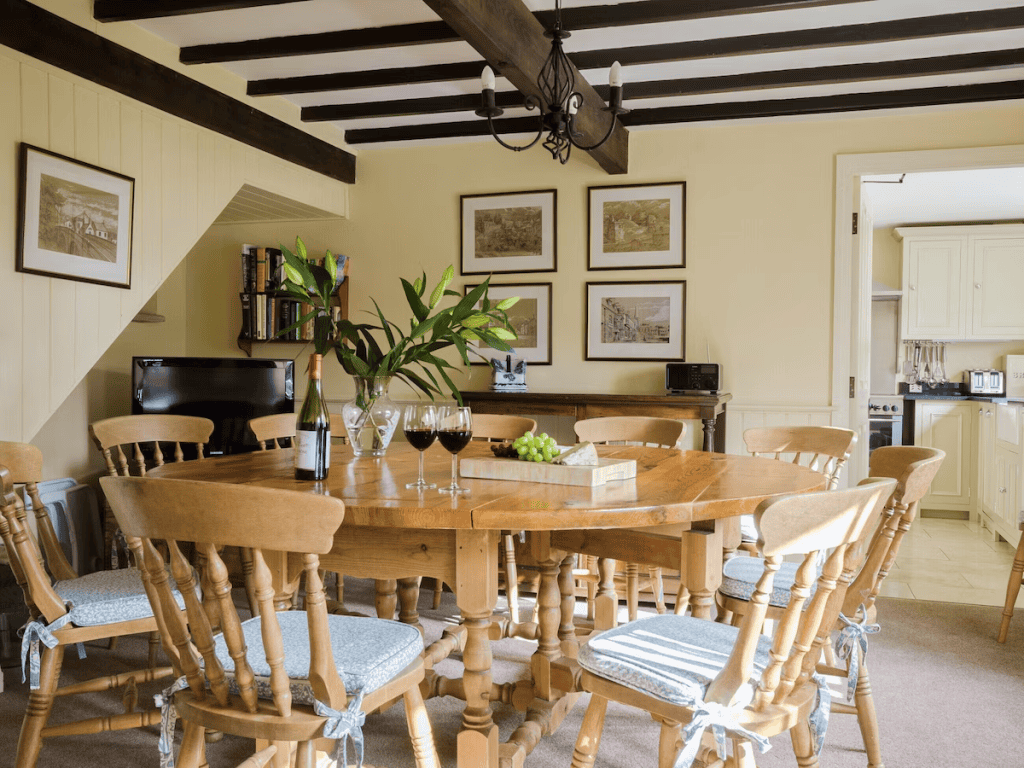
(674, 513)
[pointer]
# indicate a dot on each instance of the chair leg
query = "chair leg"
(585, 752)
(1012, 588)
(305, 754)
(245, 554)
(632, 590)
(743, 754)
(590, 564)
(420, 732)
(438, 589)
(867, 718)
(193, 747)
(803, 747)
(386, 598)
(668, 744)
(657, 588)
(154, 646)
(408, 598)
(40, 703)
(511, 577)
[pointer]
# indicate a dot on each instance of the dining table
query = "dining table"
(673, 513)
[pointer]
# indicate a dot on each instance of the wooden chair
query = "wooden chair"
(628, 430)
(691, 674)
(1013, 586)
(824, 449)
(293, 676)
(913, 468)
(98, 606)
(125, 440)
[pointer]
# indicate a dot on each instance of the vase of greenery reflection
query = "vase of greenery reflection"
(371, 417)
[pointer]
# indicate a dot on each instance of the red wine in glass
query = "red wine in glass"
(420, 430)
(454, 431)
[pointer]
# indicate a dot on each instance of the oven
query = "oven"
(885, 421)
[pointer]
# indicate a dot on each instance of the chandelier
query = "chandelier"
(559, 102)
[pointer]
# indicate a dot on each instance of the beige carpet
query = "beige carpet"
(947, 694)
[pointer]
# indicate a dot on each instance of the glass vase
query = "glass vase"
(371, 418)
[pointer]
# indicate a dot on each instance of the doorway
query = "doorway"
(851, 287)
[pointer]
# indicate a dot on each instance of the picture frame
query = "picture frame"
(637, 226)
(509, 232)
(636, 321)
(74, 219)
(530, 317)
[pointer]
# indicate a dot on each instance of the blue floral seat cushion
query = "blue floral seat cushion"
(741, 574)
(368, 652)
(673, 658)
(107, 597)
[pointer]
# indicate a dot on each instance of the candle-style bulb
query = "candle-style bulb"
(615, 76)
(487, 79)
(573, 104)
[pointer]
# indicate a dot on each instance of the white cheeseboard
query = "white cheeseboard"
(542, 472)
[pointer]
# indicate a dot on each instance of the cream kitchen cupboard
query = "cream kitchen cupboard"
(963, 282)
(949, 426)
(1001, 467)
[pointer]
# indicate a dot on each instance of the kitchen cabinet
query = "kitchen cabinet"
(986, 458)
(949, 426)
(1001, 468)
(963, 282)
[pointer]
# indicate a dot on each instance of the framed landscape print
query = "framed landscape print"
(512, 232)
(637, 227)
(75, 220)
(530, 317)
(636, 321)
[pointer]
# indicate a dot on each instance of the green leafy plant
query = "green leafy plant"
(386, 350)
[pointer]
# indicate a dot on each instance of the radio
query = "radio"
(693, 377)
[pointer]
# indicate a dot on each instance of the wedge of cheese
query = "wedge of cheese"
(581, 455)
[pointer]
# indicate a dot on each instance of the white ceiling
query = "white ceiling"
(317, 16)
(945, 197)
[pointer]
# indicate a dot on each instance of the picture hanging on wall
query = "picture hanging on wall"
(641, 226)
(75, 220)
(509, 232)
(530, 317)
(636, 321)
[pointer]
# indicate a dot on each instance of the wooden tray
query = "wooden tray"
(539, 472)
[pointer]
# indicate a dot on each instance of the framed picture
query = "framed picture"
(530, 317)
(636, 321)
(75, 220)
(512, 232)
(642, 226)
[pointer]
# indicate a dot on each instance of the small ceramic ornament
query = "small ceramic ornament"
(508, 375)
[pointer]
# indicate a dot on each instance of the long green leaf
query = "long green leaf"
(384, 324)
(418, 309)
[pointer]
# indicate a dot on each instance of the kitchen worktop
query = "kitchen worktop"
(956, 396)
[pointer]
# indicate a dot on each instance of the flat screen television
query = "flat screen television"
(227, 390)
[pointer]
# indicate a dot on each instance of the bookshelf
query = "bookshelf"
(265, 312)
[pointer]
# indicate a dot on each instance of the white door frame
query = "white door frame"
(849, 169)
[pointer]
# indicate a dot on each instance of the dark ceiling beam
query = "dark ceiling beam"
(816, 105)
(506, 34)
(132, 10)
(45, 36)
(773, 42)
(783, 78)
(423, 33)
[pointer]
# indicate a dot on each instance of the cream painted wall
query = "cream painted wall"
(759, 248)
(886, 259)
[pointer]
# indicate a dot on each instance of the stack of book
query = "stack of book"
(266, 312)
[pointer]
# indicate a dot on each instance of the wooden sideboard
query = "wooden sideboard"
(709, 408)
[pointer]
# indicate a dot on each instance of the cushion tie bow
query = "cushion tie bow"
(719, 718)
(818, 719)
(168, 717)
(31, 635)
(853, 634)
(343, 726)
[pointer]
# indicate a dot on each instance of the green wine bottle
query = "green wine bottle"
(313, 429)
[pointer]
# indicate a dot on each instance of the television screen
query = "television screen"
(228, 391)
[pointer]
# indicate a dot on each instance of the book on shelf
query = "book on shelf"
(248, 268)
(271, 316)
(247, 319)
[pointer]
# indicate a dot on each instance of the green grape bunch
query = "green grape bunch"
(537, 448)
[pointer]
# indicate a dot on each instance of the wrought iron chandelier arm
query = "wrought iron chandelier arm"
(530, 102)
(612, 108)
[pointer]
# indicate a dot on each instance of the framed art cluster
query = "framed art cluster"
(629, 227)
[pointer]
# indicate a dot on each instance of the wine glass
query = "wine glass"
(454, 430)
(421, 431)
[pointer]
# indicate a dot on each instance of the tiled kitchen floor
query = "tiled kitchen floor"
(952, 561)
